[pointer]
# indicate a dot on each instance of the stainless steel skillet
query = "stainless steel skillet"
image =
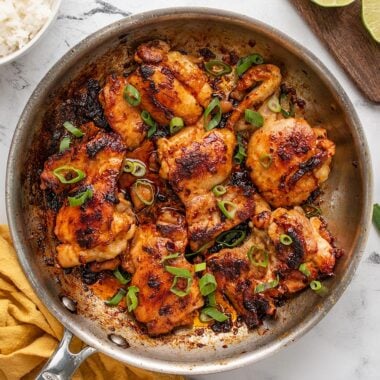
(346, 196)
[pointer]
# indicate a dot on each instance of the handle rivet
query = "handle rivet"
(118, 340)
(69, 304)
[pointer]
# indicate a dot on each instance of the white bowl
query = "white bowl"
(55, 4)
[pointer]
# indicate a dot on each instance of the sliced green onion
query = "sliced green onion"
(199, 267)
(246, 62)
(132, 301)
(207, 284)
(213, 313)
(179, 272)
(217, 68)
(141, 183)
(267, 285)
(115, 300)
(179, 292)
(176, 124)
(214, 104)
(274, 104)
(80, 198)
(315, 285)
(285, 239)
(65, 169)
(318, 288)
(376, 215)
(231, 238)
(200, 250)
(265, 160)
(254, 118)
(219, 190)
(135, 167)
(240, 154)
(132, 95)
(228, 213)
(284, 98)
(73, 130)
(120, 277)
(204, 318)
(211, 299)
(311, 210)
(65, 144)
(304, 269)
(263, 263)
(148, 120)
(169, 257)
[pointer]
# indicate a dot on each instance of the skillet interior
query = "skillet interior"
(346, 197)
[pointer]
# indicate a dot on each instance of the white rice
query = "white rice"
(20, 21)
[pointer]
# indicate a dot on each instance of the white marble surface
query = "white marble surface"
(346, 344)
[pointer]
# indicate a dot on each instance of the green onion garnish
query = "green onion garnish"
(263, 263)
(135, 167)
(65, 144)
(217, 68)
(265, 160)
(80, 198)
(286, 101)
(200, 250)
(169, 257)
(246, 62)
(179, 292)
(254, 118)
(179, 272)
(132, 301)
(240, 154)
(213, 313)
(199, 267)
(304, 269)
(176, 124)
(267, 285)
(211, 299)
(132, 95)
(215, 103)
(285, 239)
(73, 130)
(376, 215)
(318, 288)
(207, 284)
(231, 238)
(219, 190)
(227, 208)
(144, 184)
(120, 277)
(311, 210)
(64, 170)
(115, 300)
(274, 104)
(148, 120)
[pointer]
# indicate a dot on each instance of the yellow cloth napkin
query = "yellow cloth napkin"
(29, 333)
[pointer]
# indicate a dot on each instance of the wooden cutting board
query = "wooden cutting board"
(342, 30)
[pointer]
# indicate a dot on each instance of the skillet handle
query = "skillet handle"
(63, 363)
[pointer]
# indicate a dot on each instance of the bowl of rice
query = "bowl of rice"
(22, 23)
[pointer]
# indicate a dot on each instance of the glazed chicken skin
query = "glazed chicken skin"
(170, 84)
(123, 118)
(240, 279)
(101, 227)
(288, 160)
(159, 308)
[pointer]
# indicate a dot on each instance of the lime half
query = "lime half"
(334, 3)
(371, 17)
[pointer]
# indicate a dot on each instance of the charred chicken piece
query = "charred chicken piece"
(288, 160)
(123, 118)
(98, 229)
(158, 307)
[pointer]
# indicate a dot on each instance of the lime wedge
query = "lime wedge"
(371, 17)
(333, 3)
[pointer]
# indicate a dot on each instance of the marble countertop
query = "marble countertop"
(346, 344)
